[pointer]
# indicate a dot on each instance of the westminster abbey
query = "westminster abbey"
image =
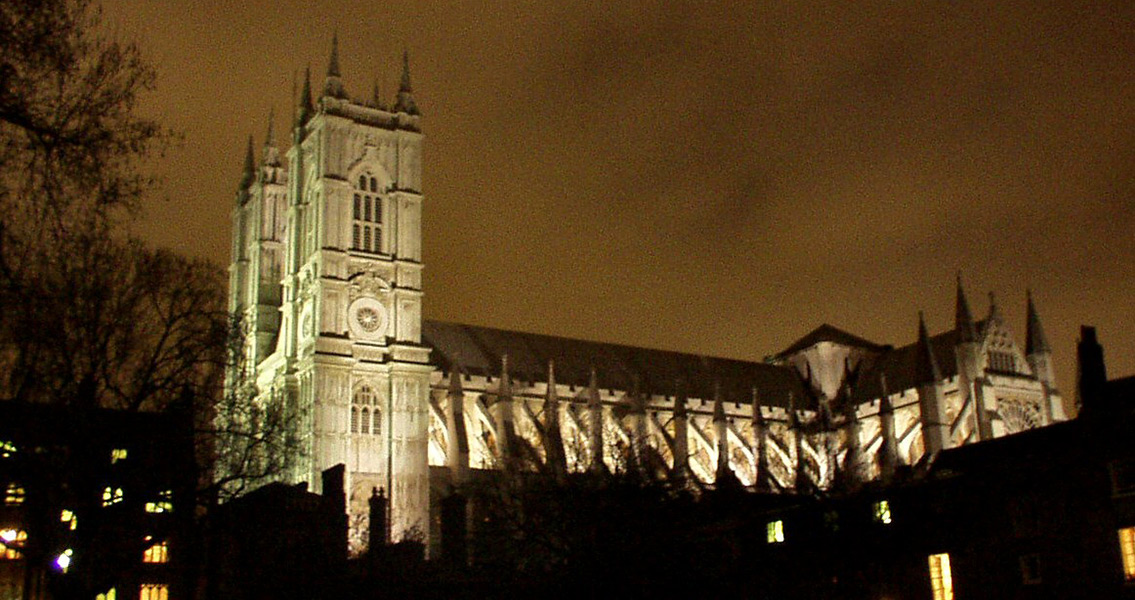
(326, 274)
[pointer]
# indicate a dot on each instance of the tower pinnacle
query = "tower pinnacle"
(306, 106)
(1035, 340)
(333, 85)
(249, 166)
(927, 366)
(405, 100)
(963, 318)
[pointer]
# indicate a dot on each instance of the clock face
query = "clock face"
(367, 319)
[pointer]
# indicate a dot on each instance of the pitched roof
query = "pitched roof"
(900, 365)
(478, 350)
(828, 333)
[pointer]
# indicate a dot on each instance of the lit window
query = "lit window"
(158, 553)
(7, 449)
(110, 594)
(941, 582)
(775, 532)
(164, 503)
(69, 518)
(63, 561)
(154, 591)
(111, 496)
(15, 494)
(1127, 549)
(117, 454)
(10, 542)
(882, 512)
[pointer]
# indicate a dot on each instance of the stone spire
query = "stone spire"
(405, 100)
(994, 310)
(457, 450)
(681, 449)
(926, 369)
(595, 416)
(763, 481)
(963, 318)
(249, 174)
(553, 438)
(889, 456)
(271, 151)
(721, 432)
(932, 408)
(306, 107)
(502, 410)
(1035, 341)
(851, 462)
(333, 85)
(1039, 356)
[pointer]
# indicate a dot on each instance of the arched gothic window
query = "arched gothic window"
(365, 413)
(366, 229)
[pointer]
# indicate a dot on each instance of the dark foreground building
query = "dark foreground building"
(97, 503)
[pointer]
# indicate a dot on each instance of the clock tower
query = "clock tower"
(348, 353)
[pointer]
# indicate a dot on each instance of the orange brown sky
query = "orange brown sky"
(710, 177)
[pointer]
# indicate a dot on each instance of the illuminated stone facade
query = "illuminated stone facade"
(326, 274)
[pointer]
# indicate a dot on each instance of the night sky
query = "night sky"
(709, 177)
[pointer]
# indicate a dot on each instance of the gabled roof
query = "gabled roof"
(828, 333)
(478, 350)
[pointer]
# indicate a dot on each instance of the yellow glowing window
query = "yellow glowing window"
(1127, 549)
(10, 542)
(111, 496)
(117, 454)
(882, 512)
(155, 591)
(110, 594)
(164, 503)
(941, 581)
(69, 518)
(15, 494)
(158, 553)
(7, 449)
(775, 532)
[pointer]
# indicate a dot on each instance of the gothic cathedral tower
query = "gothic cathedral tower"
(344, 328)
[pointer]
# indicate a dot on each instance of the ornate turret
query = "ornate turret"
(928, 378)
(333, 85)
(405, 100)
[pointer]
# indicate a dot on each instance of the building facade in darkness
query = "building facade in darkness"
(326, 275)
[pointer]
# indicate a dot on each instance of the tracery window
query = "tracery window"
(156, 553)
(154, 591)
(366, 230)
(365, 414)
